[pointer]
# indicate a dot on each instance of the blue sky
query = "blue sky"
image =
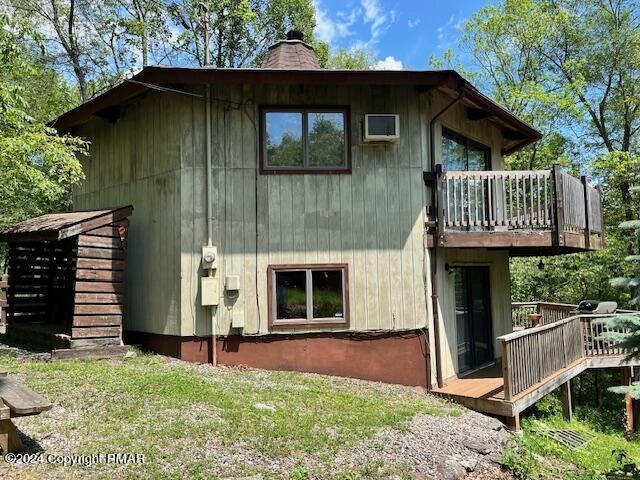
(401, 33)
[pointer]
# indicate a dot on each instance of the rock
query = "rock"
(450, 470)
(130, 354)
(469, 464)
(495, 457)
(494, 424)
(479, 446)
(263, 406)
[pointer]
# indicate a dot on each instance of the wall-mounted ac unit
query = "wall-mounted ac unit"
(381, 127)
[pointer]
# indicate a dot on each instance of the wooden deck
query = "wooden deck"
(483, 390)
(523, 211)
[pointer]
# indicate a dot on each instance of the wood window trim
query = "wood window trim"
(267, 170)
(274, 324)
(469, 142)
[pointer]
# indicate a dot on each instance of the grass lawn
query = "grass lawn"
(195, 421)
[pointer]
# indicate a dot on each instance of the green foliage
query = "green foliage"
(37, 167)
(240, 31)
(354, 59)
(598, 413)
(522, 464)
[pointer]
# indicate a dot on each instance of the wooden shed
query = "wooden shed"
(66, 280)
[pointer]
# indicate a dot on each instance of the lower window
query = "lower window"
(308, 295)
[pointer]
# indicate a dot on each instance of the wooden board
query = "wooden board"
(21, 399)
(98, 298)
(115, 309)
(94, 332)
(97, 320)
(90, 352)
(105, 275)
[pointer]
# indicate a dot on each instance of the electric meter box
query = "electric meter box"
(209, 257)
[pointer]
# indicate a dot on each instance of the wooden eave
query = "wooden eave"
(160, 76)
(66, 225)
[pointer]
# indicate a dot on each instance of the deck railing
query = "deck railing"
(533, 354)
(529, 356)
(594, 345)
(551, 312)
(528, 200)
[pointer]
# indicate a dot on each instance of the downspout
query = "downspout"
(434, 261)
(207, 149)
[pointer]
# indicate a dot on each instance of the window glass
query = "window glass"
(454, 155)
(291, 295)
(477, 159)
(326, 139)
(461, 154)
(327, 294)
(284, 139)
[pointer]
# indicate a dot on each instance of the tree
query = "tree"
(239, 30)
(624, 330)
(68, 32)
(354, 59)
(37, 166)
(572, 69)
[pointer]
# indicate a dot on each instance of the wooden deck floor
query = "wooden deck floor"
(483, 390)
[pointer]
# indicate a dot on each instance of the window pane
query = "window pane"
(284, 139)
(477, 159)
(454, 155)
(327, 294)
(326, 146)
(291, 295)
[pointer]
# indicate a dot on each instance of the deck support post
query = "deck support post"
(513, 423)
(565, 394)
(559, 203)
(627, 380)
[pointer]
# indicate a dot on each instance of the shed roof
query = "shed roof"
(58, 226)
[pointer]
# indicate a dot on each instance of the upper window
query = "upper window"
(308, 295)
(312, 140)
(461, 154)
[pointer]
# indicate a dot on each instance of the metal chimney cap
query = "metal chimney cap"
(295, 35)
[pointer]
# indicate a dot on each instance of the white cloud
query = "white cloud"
(389, 63)
(379, 19)
(329, 30)
(449, 31)
(413, 23)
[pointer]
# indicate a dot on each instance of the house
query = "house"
(355, 223)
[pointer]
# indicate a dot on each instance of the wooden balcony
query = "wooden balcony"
(520, 210)
(536, 361)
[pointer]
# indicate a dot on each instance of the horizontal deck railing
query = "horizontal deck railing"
(550, 312)
(531, 355)
(535, 200)
(594, 345)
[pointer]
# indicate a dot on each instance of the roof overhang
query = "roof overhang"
(60, 226)
(521, 133)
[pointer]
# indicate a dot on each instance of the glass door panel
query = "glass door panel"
(473, 317)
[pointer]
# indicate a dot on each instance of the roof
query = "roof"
(58, 226)
(451, 82)
(291, 55)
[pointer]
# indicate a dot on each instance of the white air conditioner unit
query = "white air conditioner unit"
(381, 127)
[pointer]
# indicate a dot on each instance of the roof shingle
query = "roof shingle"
(291, 55)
